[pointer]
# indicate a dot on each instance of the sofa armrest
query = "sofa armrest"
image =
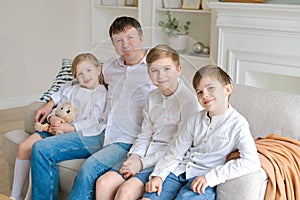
(248, 187)
(29, 115)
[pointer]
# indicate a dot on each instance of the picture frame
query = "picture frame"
(191, 4)
(131, 3)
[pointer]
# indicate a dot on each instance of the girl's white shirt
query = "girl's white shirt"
(202, 146)
(90, 103)
(163, 117)
(123, 116)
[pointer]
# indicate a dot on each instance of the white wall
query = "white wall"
(34, 36)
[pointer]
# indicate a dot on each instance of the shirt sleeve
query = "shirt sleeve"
(175, 152)
(143, 140)
(56, 97)
(247, 163)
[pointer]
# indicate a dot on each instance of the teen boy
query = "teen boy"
(166, 112)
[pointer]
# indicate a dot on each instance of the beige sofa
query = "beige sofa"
(267, 112)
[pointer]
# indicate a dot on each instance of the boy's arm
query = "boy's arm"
(188, 108)
(142, 142)
(175, 152)
(247, 163)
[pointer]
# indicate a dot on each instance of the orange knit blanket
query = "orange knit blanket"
(280, 158)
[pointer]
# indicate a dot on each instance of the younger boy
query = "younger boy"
(196, 159)
(166, 112)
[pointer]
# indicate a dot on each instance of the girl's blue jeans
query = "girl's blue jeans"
(179, 188)
(48, 152)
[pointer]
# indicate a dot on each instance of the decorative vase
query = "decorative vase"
(178, 43)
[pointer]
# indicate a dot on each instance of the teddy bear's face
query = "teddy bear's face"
(66, 112)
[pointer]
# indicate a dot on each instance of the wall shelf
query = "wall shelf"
(149, 13)
(184, 10)
(116, 7)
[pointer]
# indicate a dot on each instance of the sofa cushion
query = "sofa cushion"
(268, 111)
(11, 141)
(29, 115)
(248, 187)
(67, 172)
(62, 77)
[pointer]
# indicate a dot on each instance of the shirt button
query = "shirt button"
(204, 142)
(188, 166)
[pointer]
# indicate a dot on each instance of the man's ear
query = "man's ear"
(142, 38)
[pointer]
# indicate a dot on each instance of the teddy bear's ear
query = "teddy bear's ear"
(67, 103)
(76, 111)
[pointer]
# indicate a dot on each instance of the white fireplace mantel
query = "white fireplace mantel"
(259, 44)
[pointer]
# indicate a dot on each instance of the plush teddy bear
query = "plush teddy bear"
(65, 111)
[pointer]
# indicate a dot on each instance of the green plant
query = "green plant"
(173, 28)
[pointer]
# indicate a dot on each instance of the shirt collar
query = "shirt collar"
(142, 61)
(221, 117)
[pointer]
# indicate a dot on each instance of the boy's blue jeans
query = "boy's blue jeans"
(179, 188)
(48, 152)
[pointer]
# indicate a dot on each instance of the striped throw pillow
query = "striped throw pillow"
(62, 77)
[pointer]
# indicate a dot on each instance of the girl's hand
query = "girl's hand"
(42, 113)
(63, 128)
(154, 185)
(131, 166)
(199, 185)
(56, 121)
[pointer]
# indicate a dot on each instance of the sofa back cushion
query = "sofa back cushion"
(268, 111)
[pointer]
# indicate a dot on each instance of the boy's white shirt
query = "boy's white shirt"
(202, 146)
(90, 103)
(163, 117)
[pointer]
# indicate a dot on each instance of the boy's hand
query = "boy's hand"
(131, 166)
(199, 185)
(42, 113)
(154, 185)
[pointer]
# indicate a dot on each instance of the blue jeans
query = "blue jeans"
(95, 166)
(179, 188)
(48, 152)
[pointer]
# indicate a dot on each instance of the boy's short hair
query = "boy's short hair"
(212, 71)
(162, 51)
(121, 23)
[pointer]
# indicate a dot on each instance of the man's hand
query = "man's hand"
(199, 185)
(42, 113)
(154, 185)
(131, 166)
